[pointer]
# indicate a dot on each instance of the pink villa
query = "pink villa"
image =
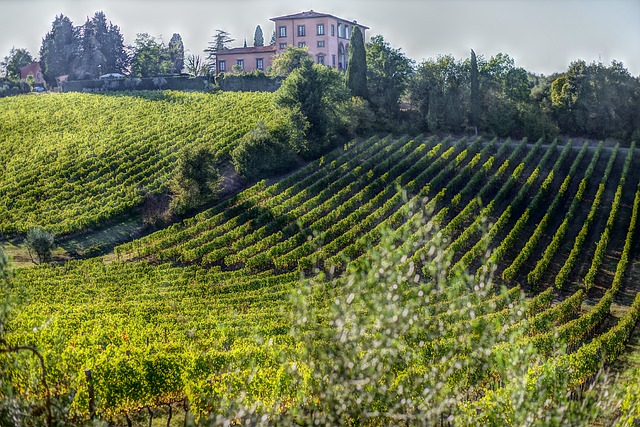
(326, 36)
(34, 70)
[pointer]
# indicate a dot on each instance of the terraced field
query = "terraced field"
(239, 304)
(73, 161)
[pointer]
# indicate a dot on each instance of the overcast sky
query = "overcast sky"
(543, 36)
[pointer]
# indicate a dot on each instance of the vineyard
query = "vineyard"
(74, 161)
(410, 270)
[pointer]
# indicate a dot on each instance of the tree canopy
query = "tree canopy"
(150, 57)
(357, 68)
(85, 52)
(176, 53)
(16, 59)
(388, 73)
(258, 37)
(290, 59)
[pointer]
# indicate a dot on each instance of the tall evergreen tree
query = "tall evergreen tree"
(272, 42)
(475, 92)
(89, 61)
(221, 40)
(176, 53)
(258, 37)
(117, 59)
(357, 68)
(58, 50)
(100, 49)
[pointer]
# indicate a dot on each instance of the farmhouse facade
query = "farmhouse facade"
(324, 35)
(34, 70)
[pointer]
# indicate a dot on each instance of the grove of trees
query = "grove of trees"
(592, 100)
(97, 47)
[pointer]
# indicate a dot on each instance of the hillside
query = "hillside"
(73, 161)
(215, 311)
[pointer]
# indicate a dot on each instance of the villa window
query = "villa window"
(340, 30)
(282, 31)
(333, 60)
(346, 32)
(302, 44)
(283, 45)
(320, 43)
(321, 59)
(240, 63)
(321, 29)
(333, 30)
(301, 31)
(260, 63)
(222, 66)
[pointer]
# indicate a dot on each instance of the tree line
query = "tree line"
(476, 94)
(96, 48)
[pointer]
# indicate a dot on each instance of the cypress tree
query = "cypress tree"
(357, 68)
(258, 37)
(475, 92)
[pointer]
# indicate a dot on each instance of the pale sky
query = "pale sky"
(543, 36)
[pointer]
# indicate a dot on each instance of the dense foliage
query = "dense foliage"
(398, 333)
(357, 68)
(196, 180)
(500, 98)
(262, 153)
(16, 59)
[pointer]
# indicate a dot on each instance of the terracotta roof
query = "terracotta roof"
(237, 50)
(312, 14)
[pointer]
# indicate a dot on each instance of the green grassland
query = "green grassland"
(241, 309)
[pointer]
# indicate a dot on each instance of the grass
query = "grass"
(86, 245)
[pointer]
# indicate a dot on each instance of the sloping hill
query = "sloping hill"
(204, 309)
(71, 161)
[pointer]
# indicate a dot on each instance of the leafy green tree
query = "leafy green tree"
(58, 50)
(596, 100)
(176, 54)
(290, 59)
(388, 73)
(258, 37)
(150, 57)
(504, 89)
(16, 59)
(357, 68)
(439, 90)
(262, 153)
(39, 244)
(196, 180)
(314, 90)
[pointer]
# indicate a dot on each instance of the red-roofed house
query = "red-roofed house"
(326, 36)
(34, 70)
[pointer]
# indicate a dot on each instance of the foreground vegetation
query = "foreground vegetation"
(328, 296)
